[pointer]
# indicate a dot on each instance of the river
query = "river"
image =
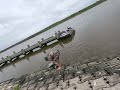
(97, 35)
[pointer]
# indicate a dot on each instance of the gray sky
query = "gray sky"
(22, 18)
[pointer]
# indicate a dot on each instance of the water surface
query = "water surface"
(97, 35)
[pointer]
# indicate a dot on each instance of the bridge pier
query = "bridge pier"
(39, 43)
(43, 43)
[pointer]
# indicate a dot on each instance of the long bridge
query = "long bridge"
(58, 35)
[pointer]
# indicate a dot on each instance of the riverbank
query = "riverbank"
(103, 75)
(57, 23)
(97, 35)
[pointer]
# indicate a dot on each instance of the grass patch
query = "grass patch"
(17, 87)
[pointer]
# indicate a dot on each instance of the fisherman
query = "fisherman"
(54, 57)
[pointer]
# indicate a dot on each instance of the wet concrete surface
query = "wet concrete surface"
(89, 76)
(96, 37)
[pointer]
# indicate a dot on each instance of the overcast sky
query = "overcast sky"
(22, 18)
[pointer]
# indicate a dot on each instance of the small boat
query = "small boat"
(67, 33)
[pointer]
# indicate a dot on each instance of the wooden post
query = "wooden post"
(28, 46)
(39, 44)
(2, 58)
(58, 35)
(8, 57)
(23, 52)
(14, 52)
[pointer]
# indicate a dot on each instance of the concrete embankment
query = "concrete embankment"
(90, 76)
(97, 36)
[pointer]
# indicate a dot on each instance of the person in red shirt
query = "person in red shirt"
(54, 57)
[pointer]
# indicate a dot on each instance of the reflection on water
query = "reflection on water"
(97, 36)
(43, 50)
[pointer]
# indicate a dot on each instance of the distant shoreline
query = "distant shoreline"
(55, 24)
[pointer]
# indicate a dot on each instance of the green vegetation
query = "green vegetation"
(17, 87)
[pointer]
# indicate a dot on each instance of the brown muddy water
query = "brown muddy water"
(97, 35)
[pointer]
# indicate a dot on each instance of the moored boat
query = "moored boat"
(67, 33)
